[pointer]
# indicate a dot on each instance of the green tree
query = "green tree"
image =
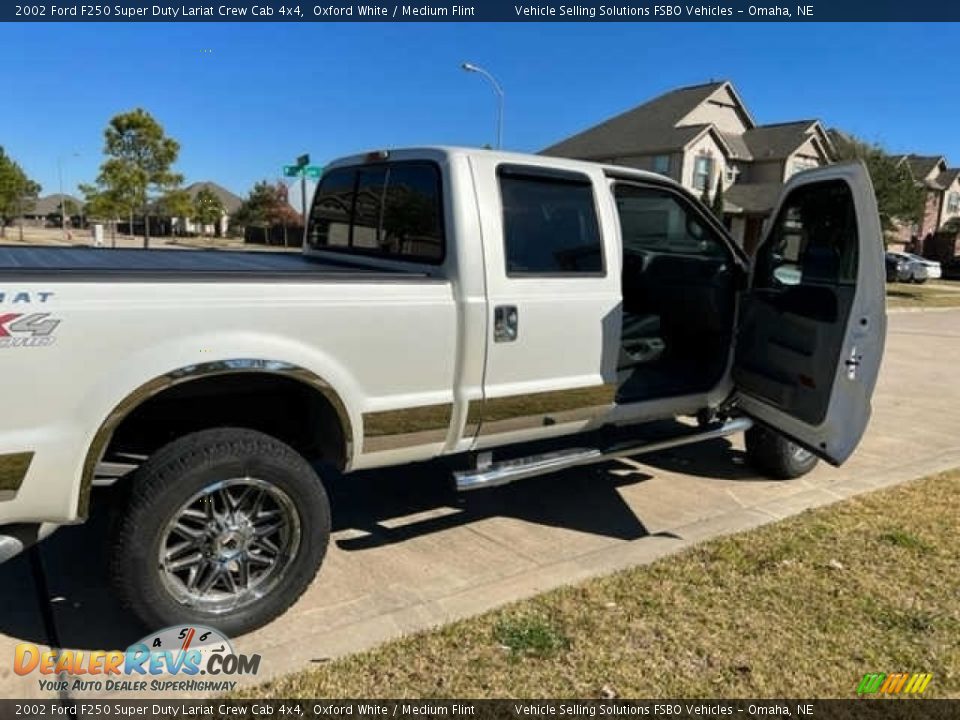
(176, 203)
(108, 204)
(717, 205)
(139, 160)
(900, 198)
(267, 205)
(207, 208)
(18, 193)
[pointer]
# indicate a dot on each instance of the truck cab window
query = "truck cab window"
(550, 225)
(389, 210)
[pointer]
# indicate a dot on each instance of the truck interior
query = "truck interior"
(679, 283)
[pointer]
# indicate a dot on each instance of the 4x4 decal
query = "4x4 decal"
(32, 330)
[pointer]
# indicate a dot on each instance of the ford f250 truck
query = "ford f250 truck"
(448, 302)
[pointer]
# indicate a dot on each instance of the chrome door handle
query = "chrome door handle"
(505, 323)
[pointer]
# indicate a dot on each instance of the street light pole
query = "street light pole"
(63, 202)
(470, 67)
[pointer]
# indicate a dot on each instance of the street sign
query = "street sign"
(313, 171)
(291, 171)
(303, 160)
(310, 171)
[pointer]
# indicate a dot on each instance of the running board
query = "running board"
(507, 471)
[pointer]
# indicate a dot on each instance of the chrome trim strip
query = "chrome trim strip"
(533, 410)
(192, 372)
(13, 469)
(406, 427)
(508, 471)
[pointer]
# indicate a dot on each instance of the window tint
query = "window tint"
(390, 210)
(550, 224)
(813, 240)
(653, 220)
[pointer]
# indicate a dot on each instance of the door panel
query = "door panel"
(812, 324)
(553, 302)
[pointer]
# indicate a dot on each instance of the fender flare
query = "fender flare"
(193, 372)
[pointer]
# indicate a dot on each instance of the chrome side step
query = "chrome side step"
(507, 471)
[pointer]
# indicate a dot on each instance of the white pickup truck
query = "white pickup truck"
(448, 302)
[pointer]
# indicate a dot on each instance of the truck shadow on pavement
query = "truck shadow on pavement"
(370, 510)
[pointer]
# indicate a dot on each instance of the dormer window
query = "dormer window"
(661, 164)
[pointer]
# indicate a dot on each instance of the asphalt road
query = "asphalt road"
(408, 553)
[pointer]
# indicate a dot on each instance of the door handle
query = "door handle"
(505, 323)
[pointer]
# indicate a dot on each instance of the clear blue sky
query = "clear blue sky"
(265, 93)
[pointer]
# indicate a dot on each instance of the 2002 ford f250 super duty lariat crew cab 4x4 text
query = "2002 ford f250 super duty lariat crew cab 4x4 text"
(448, 302)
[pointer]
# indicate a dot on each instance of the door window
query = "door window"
(653, 220)
(549, 224)
(813, 239)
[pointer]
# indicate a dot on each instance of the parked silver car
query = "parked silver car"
(919, 269)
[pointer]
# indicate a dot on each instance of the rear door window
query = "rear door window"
(391, 210)
(549, 223)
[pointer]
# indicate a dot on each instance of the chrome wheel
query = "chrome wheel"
(229, 545)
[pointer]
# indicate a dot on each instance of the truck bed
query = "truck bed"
(81, 264)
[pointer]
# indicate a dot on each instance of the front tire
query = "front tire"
(223, 527)
(774, 456)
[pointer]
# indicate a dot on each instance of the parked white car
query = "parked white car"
(448, 302)
(921, 269)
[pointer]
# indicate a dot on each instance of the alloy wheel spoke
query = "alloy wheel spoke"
(190, 561)
(215, 570)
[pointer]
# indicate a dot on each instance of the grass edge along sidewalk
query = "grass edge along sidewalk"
(800, 608)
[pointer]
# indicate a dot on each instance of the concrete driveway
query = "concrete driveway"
(408, 553)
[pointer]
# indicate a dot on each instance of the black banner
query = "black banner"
(488, 11)
(862, 709)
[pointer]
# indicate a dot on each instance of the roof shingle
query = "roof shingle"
(646, 128)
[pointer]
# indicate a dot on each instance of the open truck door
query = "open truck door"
(812, 322)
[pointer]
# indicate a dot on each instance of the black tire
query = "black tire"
(774, 456)
(188, 468)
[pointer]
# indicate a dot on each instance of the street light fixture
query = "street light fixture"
(470, 67)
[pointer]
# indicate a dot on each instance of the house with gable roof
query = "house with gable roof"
(704, 135)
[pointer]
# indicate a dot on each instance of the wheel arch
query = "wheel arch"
(156, 387)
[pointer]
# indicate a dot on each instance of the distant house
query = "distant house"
(941, 200)
(703, 134)
(50, 205)
(942, 186)
(230, 204)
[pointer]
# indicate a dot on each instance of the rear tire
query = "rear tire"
(223, 527)
(774, 456)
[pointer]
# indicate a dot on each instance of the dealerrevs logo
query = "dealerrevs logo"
(184, 651)
(27, 330)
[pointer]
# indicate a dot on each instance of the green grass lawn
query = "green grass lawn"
(800, 608)
(933, 293)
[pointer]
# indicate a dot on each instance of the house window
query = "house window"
(549, 223)
(953, 202)
(661, 164)
(732, 174)
(702, 172)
